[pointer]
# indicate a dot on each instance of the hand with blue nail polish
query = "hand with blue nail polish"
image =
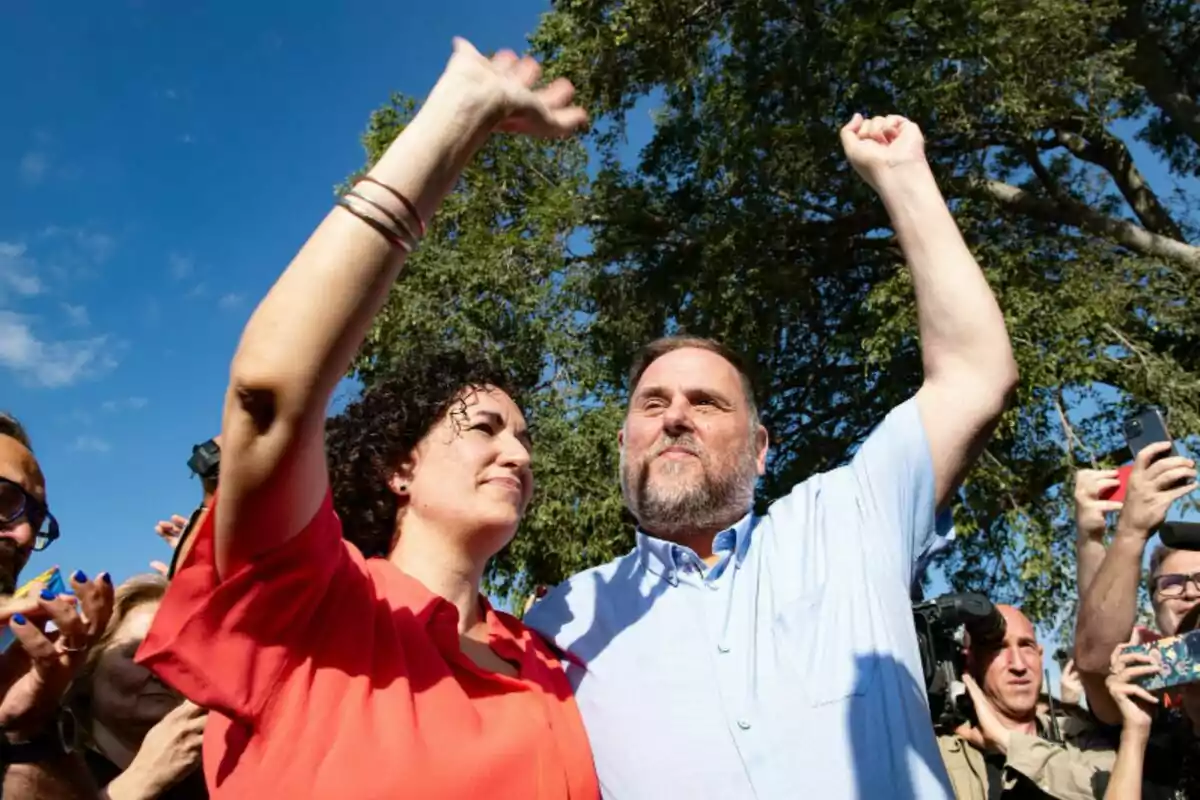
(36, 670)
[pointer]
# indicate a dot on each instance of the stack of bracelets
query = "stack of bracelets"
(397, 231)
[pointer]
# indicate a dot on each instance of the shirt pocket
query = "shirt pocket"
(824, 641)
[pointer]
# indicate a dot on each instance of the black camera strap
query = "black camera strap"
(188, 530)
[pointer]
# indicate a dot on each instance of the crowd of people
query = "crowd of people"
(321, 631)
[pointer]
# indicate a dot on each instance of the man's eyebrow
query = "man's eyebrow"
(707, 393)
(653, 390)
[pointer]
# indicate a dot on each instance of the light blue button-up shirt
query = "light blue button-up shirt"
(788, 669)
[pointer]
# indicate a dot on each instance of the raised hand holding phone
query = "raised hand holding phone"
(1156, 481)
(1128, 667)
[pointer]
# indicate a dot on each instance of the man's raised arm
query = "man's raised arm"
(968, 361)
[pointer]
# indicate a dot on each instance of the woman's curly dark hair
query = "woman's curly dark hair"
(376, 432)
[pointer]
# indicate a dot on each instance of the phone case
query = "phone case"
(1179, 658)
(1117, 493)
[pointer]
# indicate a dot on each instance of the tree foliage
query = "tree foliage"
(741, 219)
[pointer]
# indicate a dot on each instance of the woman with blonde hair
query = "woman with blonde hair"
(140, 739)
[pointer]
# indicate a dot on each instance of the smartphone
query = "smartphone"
(52, 580)
(1117, 492)
(1146, 429)
(1179, 657)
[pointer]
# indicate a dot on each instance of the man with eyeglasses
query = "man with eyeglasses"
(1108, 612)
(36, 669)
(22, 498)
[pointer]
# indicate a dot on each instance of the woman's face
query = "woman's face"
(472, 472)
(126, 698)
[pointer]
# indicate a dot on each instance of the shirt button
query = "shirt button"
(722, 648)
(711, 585)
(743, 724)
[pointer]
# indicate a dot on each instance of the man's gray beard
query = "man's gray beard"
(714, 502)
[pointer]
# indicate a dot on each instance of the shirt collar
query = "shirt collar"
(664, 558)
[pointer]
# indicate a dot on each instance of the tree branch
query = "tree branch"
(1108, 152)
(1071, 438)
(1072, 212)
(1030, 151)
(1150, 67)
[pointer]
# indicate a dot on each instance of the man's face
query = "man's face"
(1170, 608)
(690, 454)
(18, 465)
(1011, 675)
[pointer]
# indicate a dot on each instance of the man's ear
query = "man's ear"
(762, 444)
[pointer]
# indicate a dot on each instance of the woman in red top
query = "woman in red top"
(328, 672)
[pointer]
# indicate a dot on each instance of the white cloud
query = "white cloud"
(80, 417)
(127, 404)
(33, 167)
(94, 245)
(50, 364)
(230, 301)
(18, 272)
(76, 315)
(90, 444)
(180, 266)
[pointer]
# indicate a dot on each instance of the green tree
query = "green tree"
(742, 220)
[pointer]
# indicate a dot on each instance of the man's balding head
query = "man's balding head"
(1011, 674)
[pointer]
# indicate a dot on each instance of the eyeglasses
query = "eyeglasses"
(1173, 585)
(17, 504)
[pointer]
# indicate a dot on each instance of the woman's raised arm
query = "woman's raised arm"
(302, 337)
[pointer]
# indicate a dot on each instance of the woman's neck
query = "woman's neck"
(437, 560)
(109, 745)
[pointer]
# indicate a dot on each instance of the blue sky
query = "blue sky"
(160, 164)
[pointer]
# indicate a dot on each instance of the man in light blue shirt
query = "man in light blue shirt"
(736, 656)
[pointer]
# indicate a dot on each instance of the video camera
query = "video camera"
(943, 625)
(205, 462)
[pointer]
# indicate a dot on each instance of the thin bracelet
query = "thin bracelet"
(408, 206)
(383, 230)
(401, 225)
